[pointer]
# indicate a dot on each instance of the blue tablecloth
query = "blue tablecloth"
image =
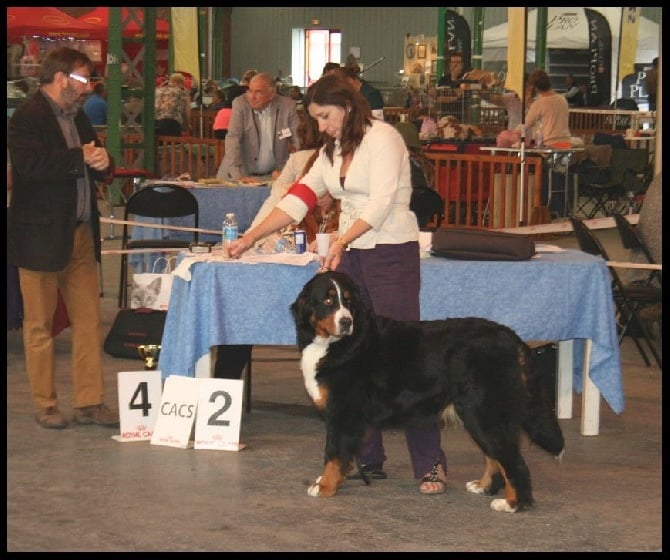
(213, 204)
(561, 296)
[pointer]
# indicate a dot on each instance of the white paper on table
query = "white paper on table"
(301, 259)
(547, 248)
(183, 269)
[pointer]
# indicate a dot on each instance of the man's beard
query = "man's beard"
(73, 100)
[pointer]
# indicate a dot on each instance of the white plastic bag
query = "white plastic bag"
(151, 290)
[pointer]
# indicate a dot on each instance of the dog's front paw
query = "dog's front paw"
(502, 505)
(319, 490)
(475, 487)
(313, 490)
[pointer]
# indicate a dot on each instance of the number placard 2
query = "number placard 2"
(139, 401)
(217, 424)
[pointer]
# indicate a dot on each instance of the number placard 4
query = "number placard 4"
(139, 402)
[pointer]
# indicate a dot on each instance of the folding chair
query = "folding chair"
(613, 189)
(630, 239)
(629, 299)
(160, 200)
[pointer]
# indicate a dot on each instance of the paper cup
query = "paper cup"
(322, 244)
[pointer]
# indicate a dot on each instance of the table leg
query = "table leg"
(564, 379)
(204, 366)
(590, 425)
(566, 187)
(590, 397)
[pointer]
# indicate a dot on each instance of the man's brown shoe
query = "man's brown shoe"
(96, 414)
(51, 418)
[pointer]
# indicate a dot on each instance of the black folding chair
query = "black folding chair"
(160, 200)
(613, 188)
(630, 239)
(629, 299)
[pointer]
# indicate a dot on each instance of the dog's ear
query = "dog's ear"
(301, 317)
(298, 308)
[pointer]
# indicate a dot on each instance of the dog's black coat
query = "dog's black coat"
(382, 372)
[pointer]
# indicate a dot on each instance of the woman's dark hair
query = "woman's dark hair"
(308, 129)
(539, 79)
(65, 60)
(330, 66)
(334, 90)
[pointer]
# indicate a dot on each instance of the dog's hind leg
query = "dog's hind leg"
(490, 482)
(518, 494)
(503, 461)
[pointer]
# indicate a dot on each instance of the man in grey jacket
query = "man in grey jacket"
(262, 131)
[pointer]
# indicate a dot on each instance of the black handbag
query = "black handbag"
(133, 327)
(481, 245)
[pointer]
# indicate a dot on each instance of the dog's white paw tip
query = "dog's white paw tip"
(313, 490)
(473, 486)
(500, 504)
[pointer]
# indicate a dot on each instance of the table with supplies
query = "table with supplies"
(561, 296)
(214, 201)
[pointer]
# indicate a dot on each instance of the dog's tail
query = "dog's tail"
(540, 422)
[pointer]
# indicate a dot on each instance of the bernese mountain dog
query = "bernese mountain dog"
(364, 370)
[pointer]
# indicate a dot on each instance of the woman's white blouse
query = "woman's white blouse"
(377, 188)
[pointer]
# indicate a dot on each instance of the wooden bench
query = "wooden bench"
(483, 190)
(199, 157)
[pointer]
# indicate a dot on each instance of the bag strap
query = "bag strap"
(169, 264)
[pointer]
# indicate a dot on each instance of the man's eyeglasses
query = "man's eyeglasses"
(81, 79)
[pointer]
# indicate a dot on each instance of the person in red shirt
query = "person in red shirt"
(220, 124)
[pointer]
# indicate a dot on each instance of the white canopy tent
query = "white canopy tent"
(568, 30)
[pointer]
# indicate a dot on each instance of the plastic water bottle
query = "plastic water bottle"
(538, 139)
(229, 231)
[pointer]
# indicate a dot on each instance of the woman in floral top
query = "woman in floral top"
(173, 107)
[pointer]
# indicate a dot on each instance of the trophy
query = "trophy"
(149, 353)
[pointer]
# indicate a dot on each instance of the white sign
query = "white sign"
(217, 424)
(176, 415)
(139, 402)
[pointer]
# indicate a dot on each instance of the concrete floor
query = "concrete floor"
(79, 490)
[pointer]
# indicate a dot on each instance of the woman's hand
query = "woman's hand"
(239, 246)
(334, 257)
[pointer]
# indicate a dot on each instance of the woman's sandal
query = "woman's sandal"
(433, 477)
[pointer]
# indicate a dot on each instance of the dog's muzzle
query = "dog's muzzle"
(344, 325)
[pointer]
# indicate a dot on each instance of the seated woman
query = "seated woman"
(232, 359)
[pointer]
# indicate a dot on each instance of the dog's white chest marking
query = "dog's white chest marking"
(310, 358)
